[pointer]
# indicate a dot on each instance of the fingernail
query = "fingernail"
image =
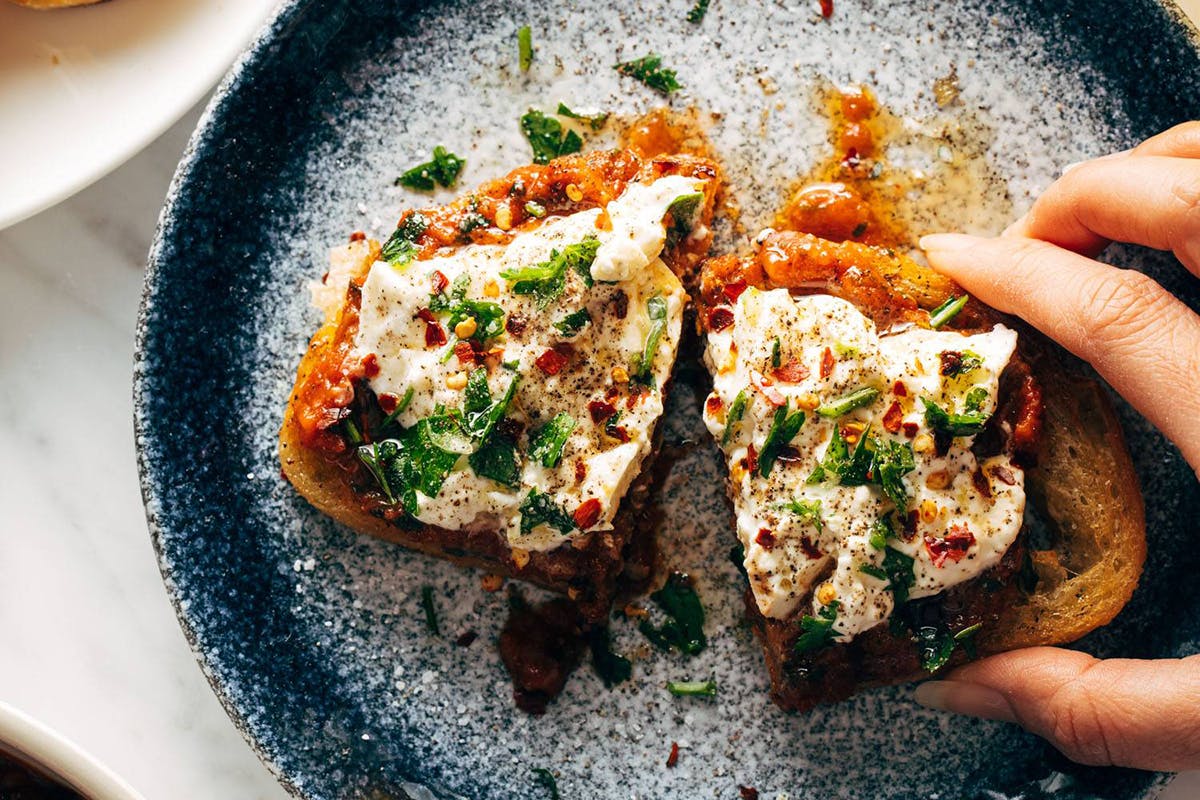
(1075, 164)
(946, 241)
(960, 697)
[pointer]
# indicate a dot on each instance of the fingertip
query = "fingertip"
(947, 242)
(968, 699)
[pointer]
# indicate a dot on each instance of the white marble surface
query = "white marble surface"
(91, 642)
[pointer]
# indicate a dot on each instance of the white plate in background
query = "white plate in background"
(83, 89)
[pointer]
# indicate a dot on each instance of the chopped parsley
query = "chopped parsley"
(684, 628)
(737, 410)
(649, 70)
(692, 688)
(545, 778)
(947, 424)
(442, 170)
(817, 632)
(401, 248)
(431, 619)
(874, 460)
(656, 309)
(776, 356)
(524, 48)
(698, 11)
(611, 667)
(784, 428)
(873, 571)
(683, 216)
(809, 510)
(400, 408)
(595, 121)
(488, 316)
(954, 363)
(546, 281)
(573, 323)
(497, 458)
(546, 445)
(415, 461)
(938, 644)
(975, 399)
(899, 570)
(480, 412)
(540, 509)
(881, 531)
(847, 403)
(535, 209)
(947, 311)
(547, 137)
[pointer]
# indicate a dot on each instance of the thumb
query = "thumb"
(1125, 712)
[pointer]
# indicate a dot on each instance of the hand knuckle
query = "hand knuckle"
(1078, 725)
(1119, 306)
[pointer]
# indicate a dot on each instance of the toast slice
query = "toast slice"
(487, 384)
(948, 574)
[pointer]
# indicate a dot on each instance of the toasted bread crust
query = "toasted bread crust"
(314, 458)
(1079, 474)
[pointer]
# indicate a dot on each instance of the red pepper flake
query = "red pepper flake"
(982, 485)
(466, 353)
(720, 318)
(440, 281)
(909, 524)
(765, 539)
(953, 546)
(466, 638)
(893, 418)
(388, 402)
(809, 549)
(551, 362)
(611, 393)
(370, 365)
(435, 335)
(899, 389)
(791, 372)
(1004, 475)
(636, 397)
(951, 362)
(600, 411)
(713, 404)
(733, 291)
(580, 470)
(749, 792)
(910, 429)
(617, 432)
(515, 324)
(851, 159)
(827, 363)
(357, 236)
(764, 385)
(673, 758)
(588, 514)
(751, 459)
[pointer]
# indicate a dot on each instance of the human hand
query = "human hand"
(1146, 344)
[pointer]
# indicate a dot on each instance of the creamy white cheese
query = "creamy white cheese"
(627, 271)
(786, 552)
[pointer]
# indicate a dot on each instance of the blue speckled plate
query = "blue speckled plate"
(313, 637)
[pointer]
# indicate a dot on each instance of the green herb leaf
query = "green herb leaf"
(545, 778)
(784, 428)
(881, 531)
(947, 311)
(698, 11)
(943, 422)
(431, 619)
(547, 137)
(656, 309)
(892, 461)
(966, 361)
(850, 467)
(737, 410)
(684, 628)
(899, 569)
(937, 646)
(683, 217)
(975, 399)
(648, 69)
(611, 667)
(776, 356)
(809, 510)
(540, 509)
(497, 459)
(546, 445)
(873, 571)
(353, 435)
(401, 248)
(596, 121)
(573, 323)
(535, 209)
(546, 280)
(524, 48)
(400, 408)
(442, 170)
(480, 412)
(844, 405)
(488, 316)
(692, 688)
(817, 632)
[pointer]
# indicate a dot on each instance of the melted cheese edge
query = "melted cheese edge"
(628, 262)
(940, 488)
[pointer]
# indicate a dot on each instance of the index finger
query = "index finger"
(1138, 336)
